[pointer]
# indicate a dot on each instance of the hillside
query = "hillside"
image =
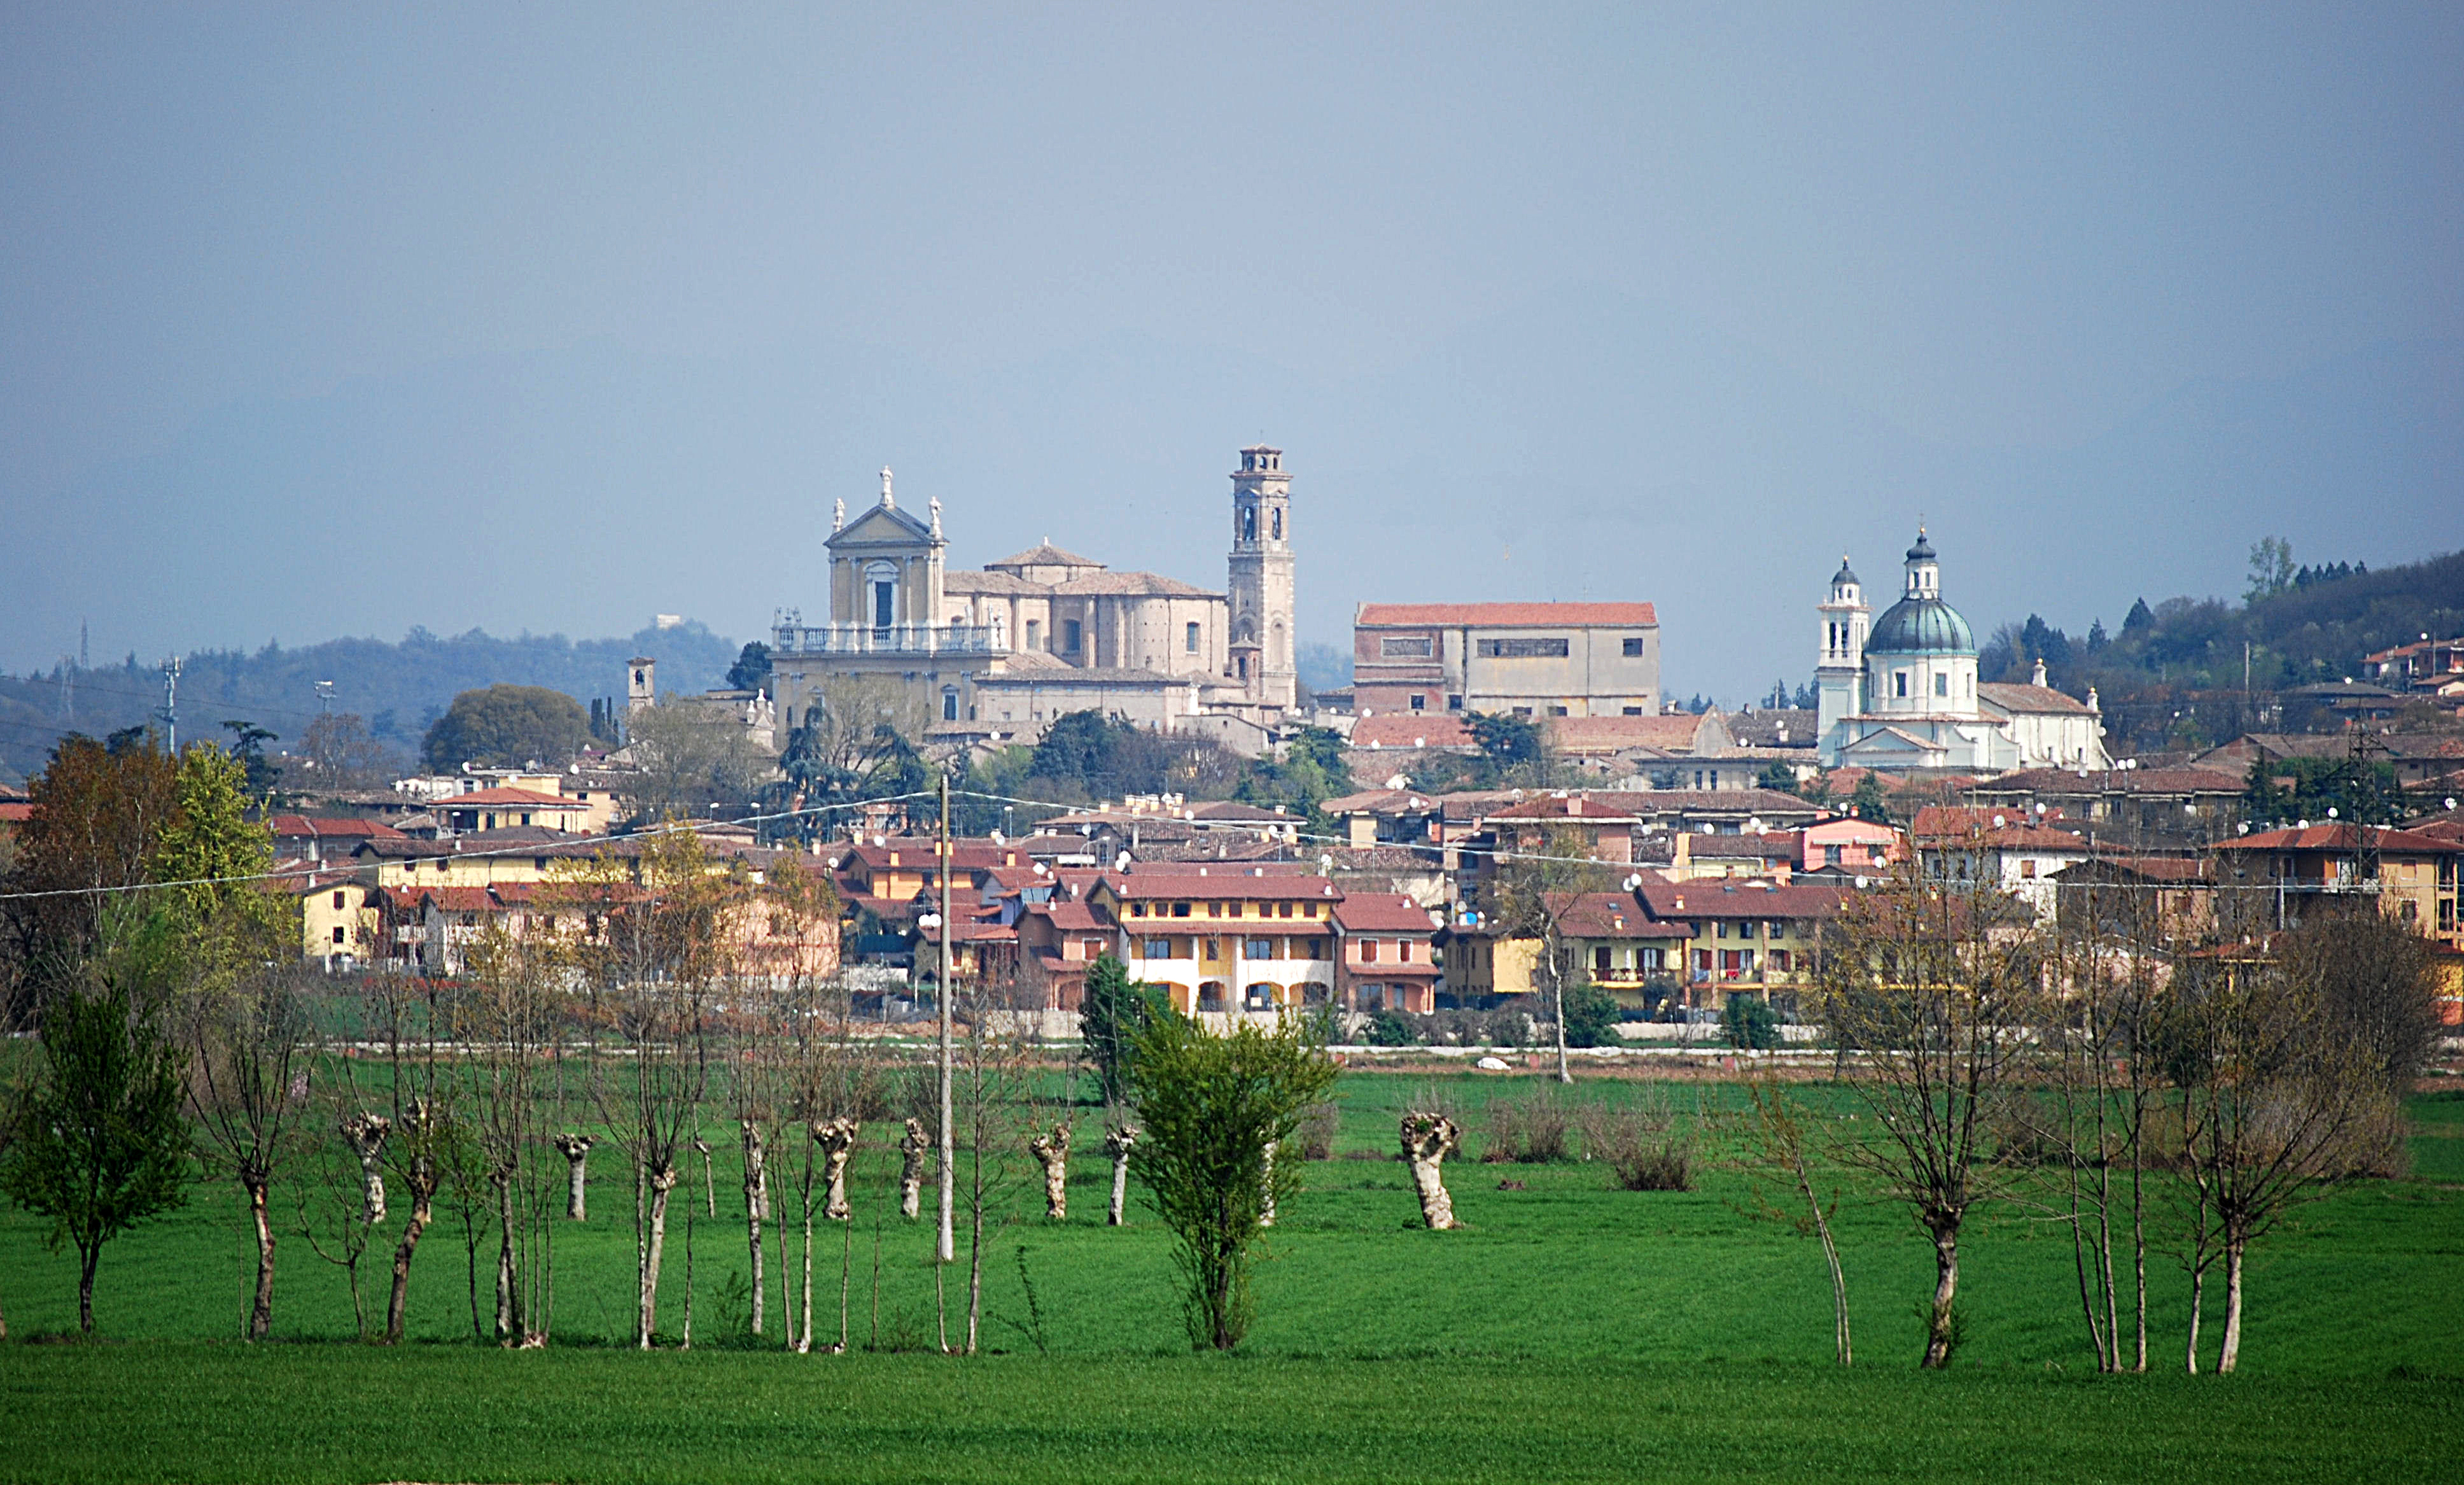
(400, 688)
(2172, 675)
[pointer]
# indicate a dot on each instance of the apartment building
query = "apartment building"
(1524, 659)
(1224, 942)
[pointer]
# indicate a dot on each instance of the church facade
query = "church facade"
(995, 653)
(1901, 693)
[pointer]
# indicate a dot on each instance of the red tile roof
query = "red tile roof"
(507, 798)
(1382, 912)
(300, 827)
(2340, 837)
(1725, 898)
(1410, 729)
(1615, 915)
(1220, 886)
(15, 812)
(1507, 615)
(1612, 734)
(1576, 807)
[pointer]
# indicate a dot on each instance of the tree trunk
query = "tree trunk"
(662, 1182)
(2231, 1352)
(260, 1317)
(421, 1186)
(756, 1206)
(1557, 1007)
(365, 1135)
(837, 1139)
(802, 1337)
(1847, 1353)
(911, 1146)
(1119, 1143)
(1266, 1188)
(1945, 1289)
(709, 1177)
(1428, 1139)
(577, 1156)
(2198, 1297)
(87, 1256)
(1053, 1150)
(508, 1303)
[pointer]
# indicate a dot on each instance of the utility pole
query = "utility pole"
(324, 699)
(171, 699)
(949, 1149)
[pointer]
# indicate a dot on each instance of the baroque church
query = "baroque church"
(996, 655)
(1902, 693)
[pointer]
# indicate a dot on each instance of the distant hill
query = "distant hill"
(399, 688)
(2172, 674)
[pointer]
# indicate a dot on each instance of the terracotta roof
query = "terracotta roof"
(1233, 810)
(1725, 898)
(1508, 615)
(1411, 729)
(2163, 868)
(2030, 698)
(1578, 808)
(16, 811)
(500, 798)
(2126, 780)
(1043, 554)
(302, 826)
(923, 850)
(1006, 584)
(1195, 884)
(1771, 843)
(1380, 912)
(1614, 915)
(1070, 917)
(1610, 734)
(1379, 802)
(2340, 837)
(1147, 584)
(1084, 674)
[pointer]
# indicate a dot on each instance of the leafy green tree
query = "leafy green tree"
(1591, 1017)
(99, 810)
(211, 852)
(1505, 743)
(1113, 1010)
(1749, 1024)
(1781, 777)
(505, 725)
(248, 745)
(1214, 1108)
(2361, 791)
(751, 671)
(1869, 802)
(98, 1142)
(2271, 567)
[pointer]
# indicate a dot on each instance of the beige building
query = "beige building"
(1003, 650)
(1524, 659)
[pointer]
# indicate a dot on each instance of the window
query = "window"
(1831, 855)
(1557, 711)
(338, 902)
(1941, 684)
(1279, 523)
(1405, 646)
(1631, 711)
(1189, 638)
(1282, 910)
(1779, 961)
(1368, 951)
(1601, 959)
(1072, 634)
(1249, 523)
(1419, 703)
(1137, 909)
(1524, 648)
(1213, 948)
(1257, 949)
(1775, 930)
(949, 705)
(1454, 703)
(1649, 959)
(1180, 910)
(1035, 633)
(1157, 948)
(338, 933)
(885, 603)
(1899, 683)
(1090, 948)
(1632, 646)
(1523, 711)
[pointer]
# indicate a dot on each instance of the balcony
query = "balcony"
(899, 639)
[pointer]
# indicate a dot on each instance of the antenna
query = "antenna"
(324, 698)
(171, 699)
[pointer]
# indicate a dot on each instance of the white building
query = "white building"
(1905, 695)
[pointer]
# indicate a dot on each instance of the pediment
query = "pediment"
(881, 528)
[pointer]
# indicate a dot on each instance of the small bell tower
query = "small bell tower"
(1840, 671)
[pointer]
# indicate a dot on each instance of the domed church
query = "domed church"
(1902, 693)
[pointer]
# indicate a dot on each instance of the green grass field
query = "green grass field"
(1567, 1330)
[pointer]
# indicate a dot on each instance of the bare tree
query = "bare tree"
(1530, 897)
(509, 1013)
(693, 757)
(2280, 1101)
(248, 1089)
(1052, 1150)
(404, 1019)
(1780, 1149)
(1929, 988)
(576, 1150)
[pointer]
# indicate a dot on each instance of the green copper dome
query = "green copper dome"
(1921, 626)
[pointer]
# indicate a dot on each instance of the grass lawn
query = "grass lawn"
(1568, 1330)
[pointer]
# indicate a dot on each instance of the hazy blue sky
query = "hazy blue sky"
(347, 318)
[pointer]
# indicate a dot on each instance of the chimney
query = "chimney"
(2038, 678)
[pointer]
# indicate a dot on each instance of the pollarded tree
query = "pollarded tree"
(1214, 1108)
(98, 1142)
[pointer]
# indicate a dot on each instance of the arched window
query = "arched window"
(1279, 524)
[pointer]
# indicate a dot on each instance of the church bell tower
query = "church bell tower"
(1839, 675)
(1260, 587)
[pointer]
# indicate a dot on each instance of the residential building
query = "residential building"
(2409, 876)
(1745, 938)
(2139, 805)
(1968, 846)
(1524, 659)
(1224, 944)
(1386, 953)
